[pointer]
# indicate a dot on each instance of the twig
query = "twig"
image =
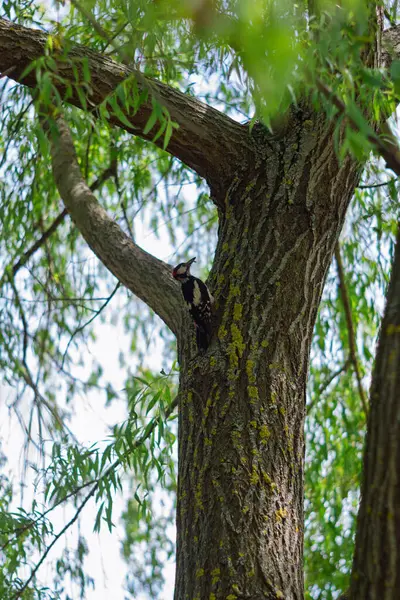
(125, 59)
(324, 386)
(40, 242)
(61, 299)
(89, 143)
(23, 369)
(97, 312)
(376, 185)
(389, 18)
(116, 34)
(12, 132)
(350, 327)
(18, 531)
(57, 537)
(23, 320)
(128, 225)
(40, 399)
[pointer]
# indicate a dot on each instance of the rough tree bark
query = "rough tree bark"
(376, 568)
(281, 201)
(241, 445)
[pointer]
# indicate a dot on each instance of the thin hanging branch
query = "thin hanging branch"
(324, 386)
(109, 172)
(376, 185)
(92, 318)
(350, 327)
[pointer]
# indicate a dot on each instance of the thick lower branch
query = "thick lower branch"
(207, 140)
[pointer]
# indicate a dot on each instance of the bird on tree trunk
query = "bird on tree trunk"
(199, 302)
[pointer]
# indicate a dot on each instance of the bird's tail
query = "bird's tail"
(202, 338)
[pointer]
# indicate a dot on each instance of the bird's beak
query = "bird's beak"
(190, 262)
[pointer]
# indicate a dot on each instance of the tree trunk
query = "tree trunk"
(242, 405)
(376, 567)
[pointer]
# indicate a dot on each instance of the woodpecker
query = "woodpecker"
(199, 302)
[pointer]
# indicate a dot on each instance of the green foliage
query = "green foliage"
(142, 445)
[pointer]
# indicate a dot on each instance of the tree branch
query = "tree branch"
(350, 327)
(390, 46)
(208, 141)
(147, 277)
